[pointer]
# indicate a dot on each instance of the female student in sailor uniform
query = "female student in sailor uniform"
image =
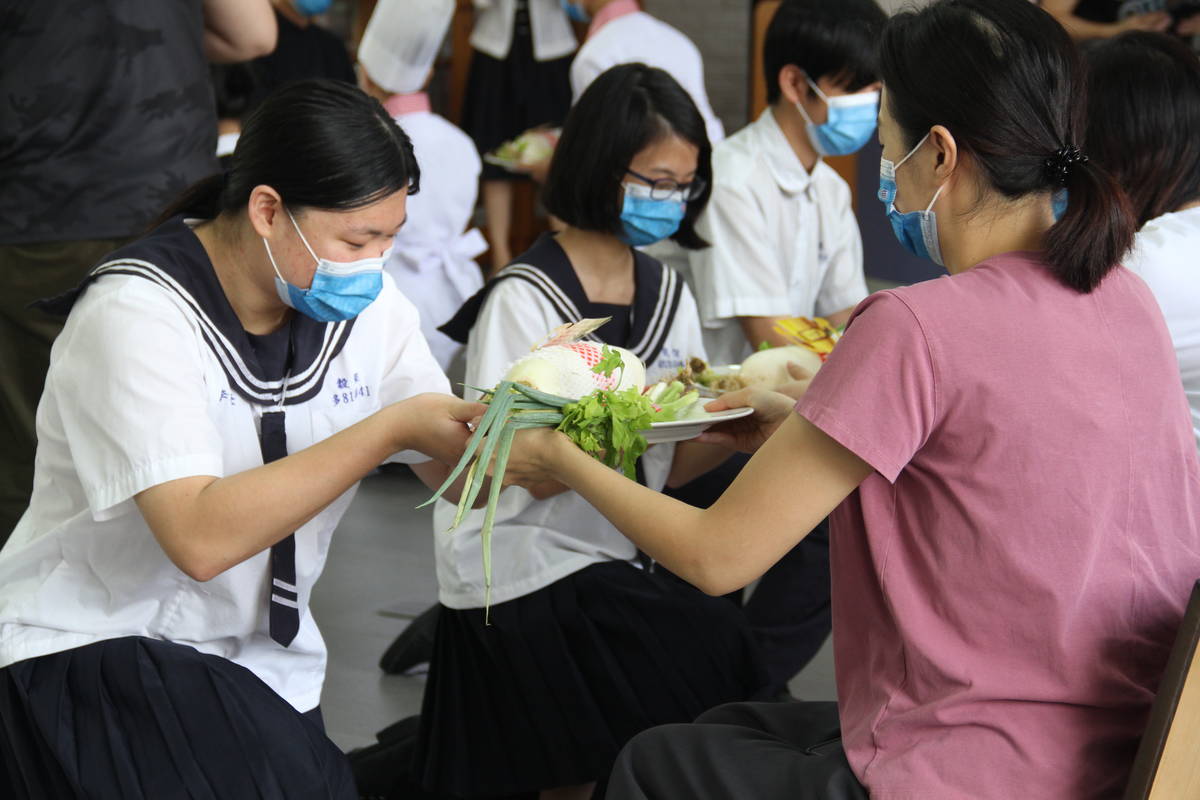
(205, 421)
(585, 646)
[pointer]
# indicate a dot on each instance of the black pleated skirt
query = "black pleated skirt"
(549, 692)
(135, 718)
(506, 97)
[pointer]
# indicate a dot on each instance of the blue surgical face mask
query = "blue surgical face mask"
(916, 230)
(312, 7)
(575, 11)
(644, 220)
(340, 289)
(850, 124)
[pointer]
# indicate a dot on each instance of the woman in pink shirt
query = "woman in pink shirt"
(1006, 452)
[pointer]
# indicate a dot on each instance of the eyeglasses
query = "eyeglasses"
(669, 189)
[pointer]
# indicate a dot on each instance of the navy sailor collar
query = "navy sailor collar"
(657, 292)
(172, 257)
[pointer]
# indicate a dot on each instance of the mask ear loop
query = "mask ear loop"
(306, 245)
(274, 266)
(936, 194)
(924, 139)
(820, 94)
(897, 166)
(817, 89)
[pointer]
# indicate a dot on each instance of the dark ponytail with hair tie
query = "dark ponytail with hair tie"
(1035, 100)
(1096, 230)
(1058, 166)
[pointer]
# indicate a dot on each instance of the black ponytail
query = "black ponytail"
(318, 143)
(1005, 79)
(1096, 230)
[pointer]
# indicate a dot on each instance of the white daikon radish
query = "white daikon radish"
(767, 369)
(566, 370)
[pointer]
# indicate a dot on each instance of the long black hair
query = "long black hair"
(1005, 79)
(319, 144)
(1144, 118)
(626, 109)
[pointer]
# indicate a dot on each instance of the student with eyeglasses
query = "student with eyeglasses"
(585, 647)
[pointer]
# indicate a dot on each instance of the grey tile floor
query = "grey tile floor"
(382, 557)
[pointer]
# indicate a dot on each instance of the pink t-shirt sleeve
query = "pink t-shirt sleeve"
(877, 395)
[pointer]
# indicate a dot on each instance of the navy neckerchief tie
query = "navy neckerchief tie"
(285, 601)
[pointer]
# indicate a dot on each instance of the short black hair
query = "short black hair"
(1144, 118)
(1008, 84)
(621, 113)
(838, 38)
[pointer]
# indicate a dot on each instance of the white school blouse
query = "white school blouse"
(537, 542)
(1165, 255)
(433, 260)
(639, 37)
(493, 32)
(785, 242)
(139, 392)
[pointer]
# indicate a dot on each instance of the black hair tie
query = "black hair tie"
(1058, 166)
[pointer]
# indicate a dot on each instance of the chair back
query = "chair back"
(1167, 766)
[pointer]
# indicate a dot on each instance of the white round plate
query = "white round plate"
(680, 430)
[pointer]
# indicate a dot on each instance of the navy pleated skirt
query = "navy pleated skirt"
(506, 97)
(135, 718)
(548, 694)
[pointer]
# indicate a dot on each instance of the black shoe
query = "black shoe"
(413, 646)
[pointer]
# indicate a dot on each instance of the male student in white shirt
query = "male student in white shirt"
(785, 241)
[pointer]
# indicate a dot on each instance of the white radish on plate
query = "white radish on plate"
(767, 369)
(567, 370)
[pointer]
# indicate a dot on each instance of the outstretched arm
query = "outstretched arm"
(794, 480)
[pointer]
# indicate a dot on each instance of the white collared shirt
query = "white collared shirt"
(639, 37)
(785, 242)
(135, 397)
(537, 542)
(493, 33)
(433, 260)
(1164, 255)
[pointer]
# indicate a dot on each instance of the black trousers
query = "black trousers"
(741, 751)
